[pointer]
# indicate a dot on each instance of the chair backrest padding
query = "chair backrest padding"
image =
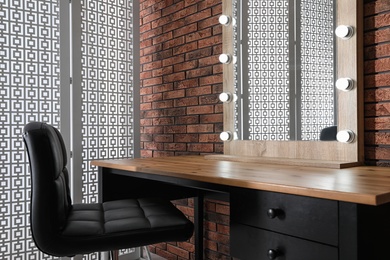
(50, 198)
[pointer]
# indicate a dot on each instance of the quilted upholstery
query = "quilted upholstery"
(61, 228)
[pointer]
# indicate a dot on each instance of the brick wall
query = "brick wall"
(377, 82)
(181, 79)
(180, 82)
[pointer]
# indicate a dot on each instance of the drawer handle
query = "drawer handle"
(273, 213)
(274, 253)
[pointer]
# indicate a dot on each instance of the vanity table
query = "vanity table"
(277, 211)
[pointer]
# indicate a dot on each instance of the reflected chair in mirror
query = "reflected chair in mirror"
(62, 228)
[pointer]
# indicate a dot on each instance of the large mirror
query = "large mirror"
(282, 63)
(284, 69)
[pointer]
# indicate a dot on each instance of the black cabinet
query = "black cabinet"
(269, 225)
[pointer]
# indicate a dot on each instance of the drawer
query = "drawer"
(304, 217)
(249, 243)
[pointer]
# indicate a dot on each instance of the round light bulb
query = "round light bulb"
(226, 136)
(224, 58)
(225, 97)
(344, 31)
(344, 84)
(345, 136)
(224, 20)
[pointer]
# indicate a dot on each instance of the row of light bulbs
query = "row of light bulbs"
(344, 32)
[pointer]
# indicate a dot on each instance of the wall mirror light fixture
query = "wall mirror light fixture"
(293, 74)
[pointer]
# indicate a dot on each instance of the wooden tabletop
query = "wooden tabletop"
(364, 184)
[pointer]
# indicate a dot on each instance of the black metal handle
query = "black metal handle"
(273, 213)
(273, 254)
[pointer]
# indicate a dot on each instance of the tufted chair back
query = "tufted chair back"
(50, 198)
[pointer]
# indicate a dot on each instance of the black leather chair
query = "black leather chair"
(61, 228)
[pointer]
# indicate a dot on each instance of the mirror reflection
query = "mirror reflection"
(284, 69)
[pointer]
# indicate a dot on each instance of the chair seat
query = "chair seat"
(129, 215)
(130, 222)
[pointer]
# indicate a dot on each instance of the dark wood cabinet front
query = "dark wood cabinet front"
(255, 243)
(271, 225)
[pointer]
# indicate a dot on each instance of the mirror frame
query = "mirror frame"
(332, 154)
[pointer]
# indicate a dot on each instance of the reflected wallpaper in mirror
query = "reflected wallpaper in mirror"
(284, 71)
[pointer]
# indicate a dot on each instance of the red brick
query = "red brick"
(204, 148)
(378, 123)
(162, 55)
(145, 106)
(175, 129)
(173, 60)
(163, 138)
(214, 236)
(163, 88)
(146, 122)
(207, 138)
(163, 121)
(197, 54)
(186, 138)
(192, 119)
(376, 7)
(196, 73)
(185, 102)
(209, 99)
(185, 30)
(152, 97)
(162, 154)
(173, 43)
(162, 104)
(153, 146)
(198, 16)
(377, 153)
(173, 8)
(151, 82)
(178, 251)
(204, 90)
(377, 138)
(222, 209)
(223, 229)
(186, 65)
(380, 109)
(208, 3)
(377, 21)
(207, 109)
(174, 77)
(198, 35)
(214, 79)
(175, 147)
(201, 128)
(189, 83)
(213, 118)
(377, 80)
(211, 41)
(153, 129)
(185, 48)
(174, 94)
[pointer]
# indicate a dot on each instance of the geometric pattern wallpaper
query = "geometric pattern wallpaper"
(29, 91)
(107, 86)
(288, 69)
(268, 70)
(317, 67)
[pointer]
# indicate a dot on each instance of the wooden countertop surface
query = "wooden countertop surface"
(363, 184)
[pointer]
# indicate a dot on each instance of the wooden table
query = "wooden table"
(361, 185)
